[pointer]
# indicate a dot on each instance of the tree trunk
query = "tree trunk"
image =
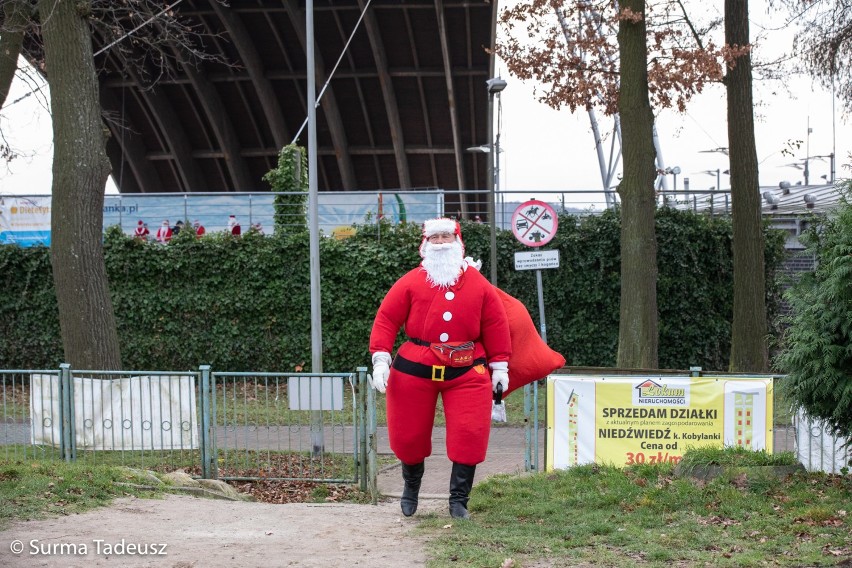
(80, 171)
(748, 334)
(637, 331)
(16, 16)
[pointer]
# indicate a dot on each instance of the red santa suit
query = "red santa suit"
(164, 233)
(468, 310)
(141, 231)
(234, 226)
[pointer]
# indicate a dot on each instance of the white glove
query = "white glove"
(381, 370)
(499, 375)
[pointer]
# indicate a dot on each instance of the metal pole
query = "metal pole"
(317, 441)
(66, 402)
(807, 172)
(541, 305)
(833, 129)
(361, 421)
(497, 175)
(491, 208)
(207, 459)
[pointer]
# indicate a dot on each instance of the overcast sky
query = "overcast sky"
(546, 150)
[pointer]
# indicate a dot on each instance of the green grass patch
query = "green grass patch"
(258, 464)
(734, 456)
(646, 516)
(39, 489)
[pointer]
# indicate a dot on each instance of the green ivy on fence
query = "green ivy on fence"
(243, 303)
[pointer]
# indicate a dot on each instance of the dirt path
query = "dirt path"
(212, 534)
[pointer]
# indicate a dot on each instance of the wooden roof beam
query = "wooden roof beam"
(223, 129)
(391, 105)
(132, 149)
(451, 101)
(329, 105)
(244, 44)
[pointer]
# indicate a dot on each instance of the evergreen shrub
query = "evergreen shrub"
(243, 303)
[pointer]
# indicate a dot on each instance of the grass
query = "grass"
(735, 457)
(647, 516)
(262, 464)
(39, 489)
(584, 516)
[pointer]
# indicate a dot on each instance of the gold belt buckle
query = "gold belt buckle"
(438, 372)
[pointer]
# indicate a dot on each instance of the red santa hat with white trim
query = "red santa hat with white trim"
(442, 225)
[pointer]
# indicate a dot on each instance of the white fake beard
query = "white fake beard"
(442, 262)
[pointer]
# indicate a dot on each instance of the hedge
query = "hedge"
(243, 303)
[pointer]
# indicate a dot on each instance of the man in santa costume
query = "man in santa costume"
(164, 233)
(198, 228)
(458, 346)
(141, 231)
(234, 226)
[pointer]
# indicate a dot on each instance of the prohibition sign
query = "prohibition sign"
(534, 223)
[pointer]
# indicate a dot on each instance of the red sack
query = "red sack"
(531, 358)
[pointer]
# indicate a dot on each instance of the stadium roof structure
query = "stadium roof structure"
(406, 98)
(788, 207)
(783, 200)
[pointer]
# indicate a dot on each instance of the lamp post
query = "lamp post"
(673, 172)
(495, 85)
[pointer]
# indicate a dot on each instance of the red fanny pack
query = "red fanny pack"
(454, 354)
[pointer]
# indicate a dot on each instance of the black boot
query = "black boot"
(412, 475)
(461, 480)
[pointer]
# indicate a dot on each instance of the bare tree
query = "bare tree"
(80, 171)
(825, 43)
(16, 17)
(58, 41)
(575, 57)
(748, 332)
(637, 332)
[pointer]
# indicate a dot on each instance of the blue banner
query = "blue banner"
(25, 220)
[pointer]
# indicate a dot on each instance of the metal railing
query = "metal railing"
(220, 425)
(228, 425)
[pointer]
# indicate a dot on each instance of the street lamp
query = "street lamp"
(673, 172)
(495, 86)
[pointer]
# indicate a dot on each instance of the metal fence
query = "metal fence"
(228, 425)
(295, 426)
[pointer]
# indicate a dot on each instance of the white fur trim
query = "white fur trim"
(499, 365)
(434, 226)
(382, 356)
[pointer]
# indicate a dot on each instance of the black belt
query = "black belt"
(420, 342)
(434, 372)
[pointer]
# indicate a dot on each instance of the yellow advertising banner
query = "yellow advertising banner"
(645, 420)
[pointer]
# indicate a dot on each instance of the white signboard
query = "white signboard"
(315, 393)
(537, 260)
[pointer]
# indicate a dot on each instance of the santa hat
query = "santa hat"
(442, 225)
(140, 223)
